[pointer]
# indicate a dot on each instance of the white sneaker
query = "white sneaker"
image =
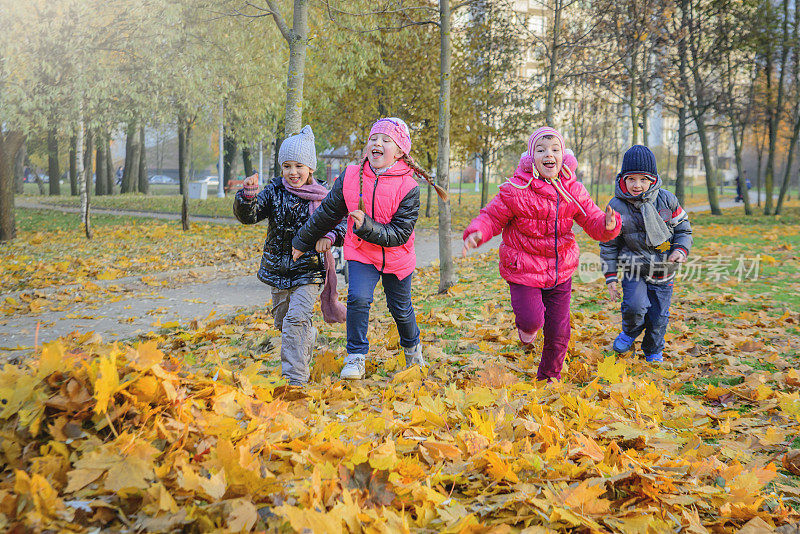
(353, 367)
(414, 356)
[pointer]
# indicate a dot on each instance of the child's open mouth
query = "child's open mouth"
(549, 164)
(377, 152)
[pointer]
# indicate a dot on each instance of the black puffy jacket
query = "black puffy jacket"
(334, 207)
(286, 213)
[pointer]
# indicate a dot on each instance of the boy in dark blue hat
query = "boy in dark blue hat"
(656, 236)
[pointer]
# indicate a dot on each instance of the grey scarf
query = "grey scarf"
(655, 227)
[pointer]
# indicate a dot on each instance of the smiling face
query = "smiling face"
(637, 183)
(547, 156)
(382, 151)
(295, 173)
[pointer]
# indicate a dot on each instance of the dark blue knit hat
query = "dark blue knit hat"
(639, 159)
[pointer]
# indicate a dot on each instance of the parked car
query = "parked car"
(210, 181)
(162, 179)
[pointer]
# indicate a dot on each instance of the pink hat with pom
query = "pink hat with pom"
(541, 132)
(395, 128)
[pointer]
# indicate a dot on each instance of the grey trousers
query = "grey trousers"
(292, 309)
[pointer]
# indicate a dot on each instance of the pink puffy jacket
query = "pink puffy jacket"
(539, 248)
(382, 196)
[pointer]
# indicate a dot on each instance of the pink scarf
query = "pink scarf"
(333, 311)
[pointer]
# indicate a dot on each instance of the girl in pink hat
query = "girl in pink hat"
(535, 210)
(380, 197)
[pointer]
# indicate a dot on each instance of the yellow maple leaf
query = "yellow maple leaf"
(106, 383)
(611, 370)
(51, 360)
(585, 497)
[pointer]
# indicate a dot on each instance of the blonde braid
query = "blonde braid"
(422, 172)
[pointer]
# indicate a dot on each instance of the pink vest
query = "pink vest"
(382, 196)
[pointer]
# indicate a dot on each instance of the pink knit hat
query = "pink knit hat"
(395, 128)
(541, 132)
(570, 160)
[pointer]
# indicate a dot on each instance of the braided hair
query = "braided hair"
(419, 171)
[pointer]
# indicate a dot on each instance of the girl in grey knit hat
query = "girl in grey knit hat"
(288, 201)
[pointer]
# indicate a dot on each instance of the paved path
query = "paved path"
(184, 299)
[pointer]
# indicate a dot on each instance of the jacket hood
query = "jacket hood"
(621, 192)
(524, 176)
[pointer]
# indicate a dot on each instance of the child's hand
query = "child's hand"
(611, 218)
(323, 245)
(677, 256)
(613, 294)
(250, 180)
(358, 218)
(296, 254)
(471, 241)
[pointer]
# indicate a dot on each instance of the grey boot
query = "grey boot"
(414, 356)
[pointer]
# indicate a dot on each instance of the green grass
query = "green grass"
(736, 216)
(698, 386)
(34, 220)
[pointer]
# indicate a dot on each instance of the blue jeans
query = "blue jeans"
(361, 289)
(645, 307)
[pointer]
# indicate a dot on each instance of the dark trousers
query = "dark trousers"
(645, 307)
(536, 308)
(361, 289)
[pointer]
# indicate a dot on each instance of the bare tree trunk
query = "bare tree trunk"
(184, 133)
(741, 180)
(549, 109)
(247, 162)
(19, 170)
(430, 189)
(52, 162)
(446, 266)
(297, 37)
(710, 175)
(787, 175)
(10, 143)
(73, 165)
(428, 196)
(680, 162)
(634, 99)
(110, 176)
(484, 177)
(88, 173)
(228, 159)
(130, 174)
(144, 184)
(100, 165)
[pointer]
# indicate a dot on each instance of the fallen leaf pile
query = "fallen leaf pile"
(48, 270)
(192, 428)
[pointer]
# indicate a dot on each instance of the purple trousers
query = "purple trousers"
(536, 308)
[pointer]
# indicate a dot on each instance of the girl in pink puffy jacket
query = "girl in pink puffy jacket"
(380, 197)
(534, 210)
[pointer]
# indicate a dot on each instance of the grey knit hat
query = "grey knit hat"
(300, 148)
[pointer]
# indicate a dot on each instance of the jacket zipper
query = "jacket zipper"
(383, 250)
(555, 283)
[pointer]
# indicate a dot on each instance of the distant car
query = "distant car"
(162, 179)
(210, 181)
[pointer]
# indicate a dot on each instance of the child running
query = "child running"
(288, 201)
(535, 210)
(381, 197)
(656, 236)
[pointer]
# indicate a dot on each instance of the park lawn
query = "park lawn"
(191, 427)
(464, 204)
